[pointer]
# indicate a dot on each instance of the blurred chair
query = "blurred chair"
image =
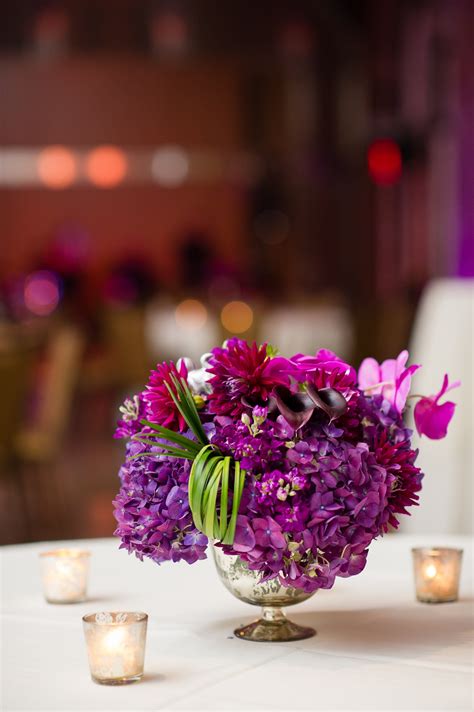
(128, 359)
(306, 328)
(40, 441)
(442, 342)
(15, 364)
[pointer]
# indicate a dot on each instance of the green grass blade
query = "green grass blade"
(184, 402)
(239, 479)
(178, 454)
(224, 497)
(197, 482)
(165, 446)
(173, 436)
(210, 517)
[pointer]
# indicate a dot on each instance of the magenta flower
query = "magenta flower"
(390, 379)
(431, 418)
(160, 407)
(242, 375)
(325, 370)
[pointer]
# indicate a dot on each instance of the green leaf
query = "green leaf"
(197, 483)
(172, 452)
(172, 435)
(224, 497)
(239, 478)
(210, 499)
(210, 477)
(184, 401)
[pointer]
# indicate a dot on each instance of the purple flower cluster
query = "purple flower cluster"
(314, 501)
(329, 464)
(152, 510)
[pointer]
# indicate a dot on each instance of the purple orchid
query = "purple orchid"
(431, 418)
(390, 379)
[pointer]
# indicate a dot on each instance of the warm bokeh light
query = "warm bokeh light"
(191, 315)
(170, 166)
(42, 292)
(384, 161)
(106, 166)
(237, 317)
(57, 167)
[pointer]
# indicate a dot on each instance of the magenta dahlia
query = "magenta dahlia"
(160, 407)
(242, 375)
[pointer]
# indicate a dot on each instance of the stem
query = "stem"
(273, 615)
(377, 385)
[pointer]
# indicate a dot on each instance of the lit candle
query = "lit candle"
(437, 573)
(64, 574)
(115, 646)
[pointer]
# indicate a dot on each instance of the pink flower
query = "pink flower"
(432, 419)
(160, 407)
(390, 378)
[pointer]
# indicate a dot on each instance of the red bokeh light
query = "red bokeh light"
(384, 161)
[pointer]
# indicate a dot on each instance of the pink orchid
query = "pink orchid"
(390, 378)
(432, 419)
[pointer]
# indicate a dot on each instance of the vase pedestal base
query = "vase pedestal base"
(273, 627)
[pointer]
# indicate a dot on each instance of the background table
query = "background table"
(376, 648)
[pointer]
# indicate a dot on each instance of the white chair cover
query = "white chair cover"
(442, 342)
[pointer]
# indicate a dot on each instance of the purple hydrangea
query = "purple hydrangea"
(314, 501)
(152, 510)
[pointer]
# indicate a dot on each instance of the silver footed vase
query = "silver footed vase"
(244, 584)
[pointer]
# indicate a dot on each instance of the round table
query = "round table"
(377, 648)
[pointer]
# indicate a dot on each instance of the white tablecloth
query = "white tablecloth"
(376, 648)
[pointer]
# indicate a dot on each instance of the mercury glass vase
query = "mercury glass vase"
(245, 585)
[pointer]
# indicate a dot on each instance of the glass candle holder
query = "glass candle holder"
(64, 573)
(437, 573)
(115, 646)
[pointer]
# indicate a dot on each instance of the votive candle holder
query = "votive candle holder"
(115, 646)
(64, 574)
(437, 572)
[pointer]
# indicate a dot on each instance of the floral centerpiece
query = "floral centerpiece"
(293, 465)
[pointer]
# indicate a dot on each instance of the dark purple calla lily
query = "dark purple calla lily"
(296, 408)
(329, 400)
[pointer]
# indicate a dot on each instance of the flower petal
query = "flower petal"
(432, 419)
(369, 373)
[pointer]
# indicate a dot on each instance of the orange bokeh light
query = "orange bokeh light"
(191, 315)
(106, 166)
(57, 167)
(237, 317)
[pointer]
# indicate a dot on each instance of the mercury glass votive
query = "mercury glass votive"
(115, 646)
(437, 573)
(64, 573)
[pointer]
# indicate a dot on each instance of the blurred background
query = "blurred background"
(173, 172)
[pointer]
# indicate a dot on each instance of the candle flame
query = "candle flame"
(431, 571)
(114, 639)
